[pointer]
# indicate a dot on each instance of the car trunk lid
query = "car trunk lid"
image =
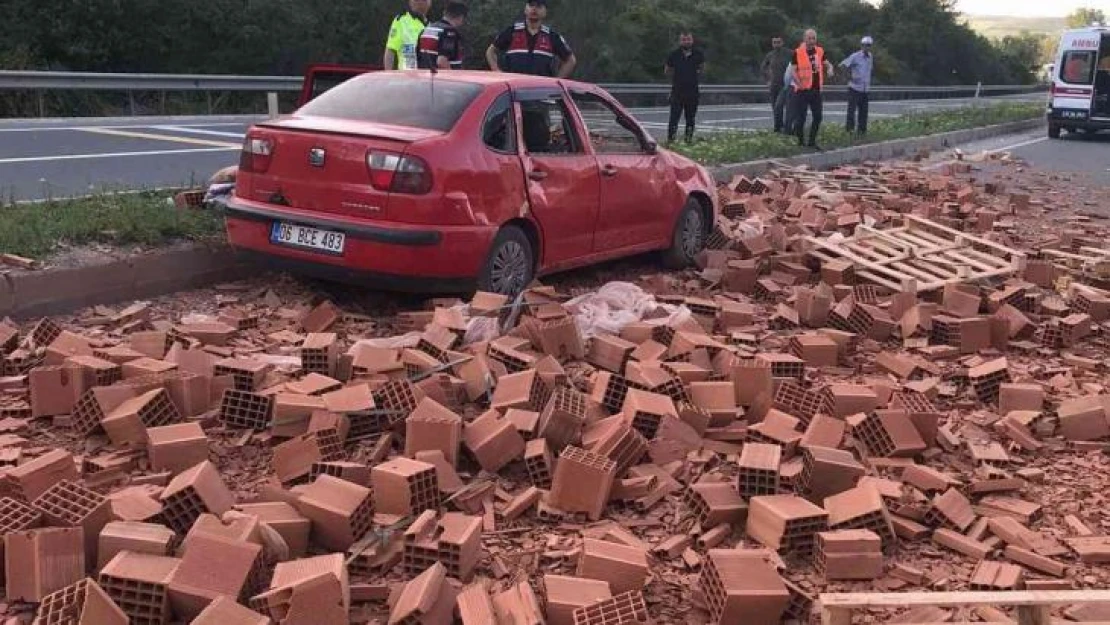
(320, 165)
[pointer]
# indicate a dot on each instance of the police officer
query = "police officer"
(530, 47)
(441, 44)
(404, 36)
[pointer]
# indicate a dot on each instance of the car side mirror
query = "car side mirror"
(651, 146)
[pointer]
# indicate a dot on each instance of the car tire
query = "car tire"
(1053, 131)
(688, 239)
(511, 264)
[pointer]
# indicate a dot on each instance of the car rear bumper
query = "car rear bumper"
(1055, 119)
(393, 255)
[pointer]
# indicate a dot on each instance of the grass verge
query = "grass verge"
(37, 230)
(739, 147)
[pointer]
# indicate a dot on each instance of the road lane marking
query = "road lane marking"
(1017, 145)
(145, 135)
(101, 125)
(199, 131)
(76, 157)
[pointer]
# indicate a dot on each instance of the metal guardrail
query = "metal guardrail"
(38, 80)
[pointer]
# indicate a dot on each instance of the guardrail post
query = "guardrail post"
(208, 97)
(131, 102)
(42, 104)
(978, 89)
(272, 104)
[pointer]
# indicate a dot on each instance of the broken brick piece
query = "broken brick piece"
(226, 611)
(627, 607)
(951, 509)
(848, 555)
(453, 540)
(994, 576)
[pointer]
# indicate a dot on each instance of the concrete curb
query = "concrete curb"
(885, 150)
(58, 291)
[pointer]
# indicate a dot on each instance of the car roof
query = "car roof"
(484, 78)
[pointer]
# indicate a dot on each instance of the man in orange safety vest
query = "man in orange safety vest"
(810, 69)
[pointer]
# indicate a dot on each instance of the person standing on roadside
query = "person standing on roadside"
(809, 68)
(401, 49)
(684, 66)
(859, 65)
(441, 45)
(774, 68)
(531, 47)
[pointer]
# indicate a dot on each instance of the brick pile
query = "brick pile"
(250, 458)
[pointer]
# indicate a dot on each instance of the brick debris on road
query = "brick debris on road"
(722, 445)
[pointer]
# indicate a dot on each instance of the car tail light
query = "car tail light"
(398, 174)
(256, 154)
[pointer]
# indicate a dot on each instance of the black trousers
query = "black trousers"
(808, 100)
(857, 110)
(777, 106)
(683, 103)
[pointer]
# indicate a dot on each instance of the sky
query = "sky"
(1028, 8)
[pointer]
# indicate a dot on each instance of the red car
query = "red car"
(414, 181)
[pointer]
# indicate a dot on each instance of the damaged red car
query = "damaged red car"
(453, 181)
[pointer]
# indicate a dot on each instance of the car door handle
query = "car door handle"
(537, 175)
(609, 171)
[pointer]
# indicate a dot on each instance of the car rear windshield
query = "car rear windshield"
(430, 104)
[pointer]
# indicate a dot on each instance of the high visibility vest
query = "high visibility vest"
(805, 72)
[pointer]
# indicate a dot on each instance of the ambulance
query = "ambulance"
(1080, 88)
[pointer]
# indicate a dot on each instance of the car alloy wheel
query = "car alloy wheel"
(692, 234)
(509, 270)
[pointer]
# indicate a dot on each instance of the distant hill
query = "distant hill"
(1001, 25)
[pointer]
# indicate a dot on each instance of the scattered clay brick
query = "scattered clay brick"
(740, 586)
(42, 561)
(624, 568)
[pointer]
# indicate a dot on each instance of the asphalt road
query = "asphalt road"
(42, 159)
(1072, 153)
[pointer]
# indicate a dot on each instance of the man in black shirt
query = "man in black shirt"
(441, 43)
(685, 66)
(774, 69)
(530, 47)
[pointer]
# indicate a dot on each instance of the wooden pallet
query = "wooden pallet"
(845, 182)
(922, 255)
(1033, 606)
(1090, 262)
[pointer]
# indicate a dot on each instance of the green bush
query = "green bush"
(738, 147)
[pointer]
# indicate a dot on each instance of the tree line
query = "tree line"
(918, 42)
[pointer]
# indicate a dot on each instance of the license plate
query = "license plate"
(327, 241)
(1073, 114)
